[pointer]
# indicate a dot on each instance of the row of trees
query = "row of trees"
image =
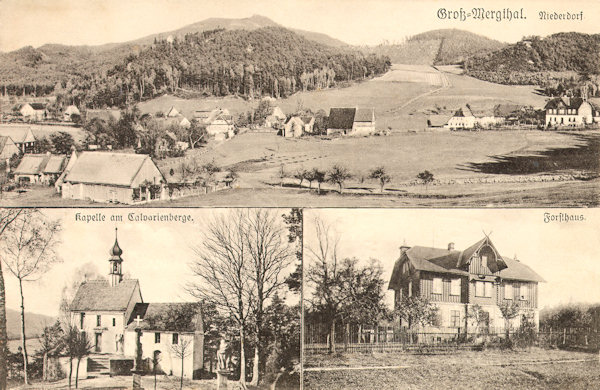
(339, 175)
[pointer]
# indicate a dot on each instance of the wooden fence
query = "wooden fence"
(357, 338)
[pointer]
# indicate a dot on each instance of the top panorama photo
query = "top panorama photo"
(289, 104)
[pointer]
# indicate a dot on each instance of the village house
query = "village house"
(276, 118)
(297, 126)
(22, 136)
(571, 112)
(40, 168)
(351, 121)
(113, 177)
(463, 118)
(217, 121)
(70, 162)
(70, 112)
(8, 148)
(456, 280)
(113, 315)
(35, 112)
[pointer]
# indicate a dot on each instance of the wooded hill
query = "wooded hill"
(438, 47)
(531, 60)
(36, 71)
(34, 324)
(270, 61)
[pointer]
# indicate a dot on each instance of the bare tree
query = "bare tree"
(222, 269)
(27, 250)
(7, 217)
(270, 255)
(82, 348)
(323, 276)
(182, 350)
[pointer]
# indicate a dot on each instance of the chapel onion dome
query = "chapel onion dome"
(116, 251)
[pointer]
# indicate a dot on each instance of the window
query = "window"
(508, 291)
(175, 338)
(488, 289)
(81, 319)
(484, 261)
(156, 338)
(524, 292)
(479, 289)
(455, 318)
(114, 321)
(483, 289)
(98, 320)
(437, 285)
(410, 288)
(455, 287)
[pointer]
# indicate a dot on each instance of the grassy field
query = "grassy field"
(258, 158)
(402, 97)
(535, 369)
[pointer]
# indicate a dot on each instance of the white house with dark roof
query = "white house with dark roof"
(33, 111)
(463, 118)
(571, 112)
(456, 280)
(112, 313)
(296, 126)
(113, 177)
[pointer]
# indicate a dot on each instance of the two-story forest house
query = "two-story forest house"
(456, 281)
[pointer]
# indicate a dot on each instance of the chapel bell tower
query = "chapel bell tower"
(115, 272)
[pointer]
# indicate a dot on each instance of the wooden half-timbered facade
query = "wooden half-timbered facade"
(457, 280)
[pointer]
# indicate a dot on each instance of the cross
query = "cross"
(137, 321)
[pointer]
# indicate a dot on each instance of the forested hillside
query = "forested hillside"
(270, 61)
(533, 60)
(438, 47)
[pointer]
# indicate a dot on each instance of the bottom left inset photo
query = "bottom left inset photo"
(154, 299)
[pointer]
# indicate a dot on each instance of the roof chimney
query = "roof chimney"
(450, 246)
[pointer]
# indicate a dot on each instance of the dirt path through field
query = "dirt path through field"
(445, 85)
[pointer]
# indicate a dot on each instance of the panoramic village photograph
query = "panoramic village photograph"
(185, 103)
(170, 299)
(451, 299)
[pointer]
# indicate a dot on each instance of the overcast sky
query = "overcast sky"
(93, 22)
(158, 254)
(566, 255)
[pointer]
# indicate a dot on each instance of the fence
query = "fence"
(394, 338)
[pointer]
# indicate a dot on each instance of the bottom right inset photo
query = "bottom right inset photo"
(451, 299)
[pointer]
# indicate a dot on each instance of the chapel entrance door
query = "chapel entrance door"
(98, 342)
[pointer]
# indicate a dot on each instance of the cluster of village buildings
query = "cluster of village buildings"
(563, 112)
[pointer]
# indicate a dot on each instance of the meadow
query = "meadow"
(494, 369)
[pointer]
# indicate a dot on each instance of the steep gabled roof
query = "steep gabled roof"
(38, 106)
(32, 164)
(99, 295)
(17, 133)
(364, 115)
(566, 102)
(463, 112)
(106, 168)
(341, 118)
(55, 164)
(160, 317)
(454, 262)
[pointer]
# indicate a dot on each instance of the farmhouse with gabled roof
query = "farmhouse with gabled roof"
(457, 280)
(22, 136)
(571, 112)
(351, 121)
(112, 313)
(113, 177)
(40, 168)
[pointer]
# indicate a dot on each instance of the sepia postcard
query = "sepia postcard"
(331, 103)
(299, 194)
